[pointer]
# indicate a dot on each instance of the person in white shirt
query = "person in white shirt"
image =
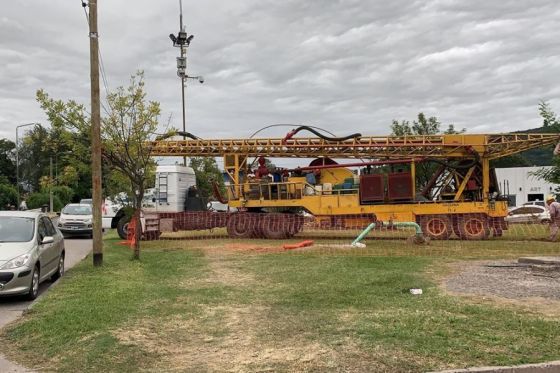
(23, 205)
(554, 210)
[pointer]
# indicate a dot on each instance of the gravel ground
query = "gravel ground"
(506, 279)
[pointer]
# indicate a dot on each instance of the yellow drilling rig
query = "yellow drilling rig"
(462, 197)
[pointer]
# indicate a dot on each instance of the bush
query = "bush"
(38, 200)
(8, 196)
(64, 194)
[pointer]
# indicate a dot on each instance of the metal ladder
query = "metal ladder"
(162, 188)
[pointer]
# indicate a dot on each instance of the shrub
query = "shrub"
(64, 194)
(8, 196)
(38, 200)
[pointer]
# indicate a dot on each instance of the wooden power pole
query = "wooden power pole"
(95, 134)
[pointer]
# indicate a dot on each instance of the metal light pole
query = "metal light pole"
(182, 40)
(17, 156)
(51, 209)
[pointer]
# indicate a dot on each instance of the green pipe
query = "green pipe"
(404, 224)
(363, 234)
(410, 224)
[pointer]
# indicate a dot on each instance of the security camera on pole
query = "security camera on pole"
(182, 40)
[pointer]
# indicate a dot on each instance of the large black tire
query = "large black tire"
(60, 269)
(122, 226)
(241, 225)
(34, 285)
(276, 226)
(473, 227)
(437, 227)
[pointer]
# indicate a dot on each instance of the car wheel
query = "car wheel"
(545, 221)
(60, 270)
(34, 286)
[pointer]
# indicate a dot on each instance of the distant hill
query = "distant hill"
(540, 156)
(534, 157)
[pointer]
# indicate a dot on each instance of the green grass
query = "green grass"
(195, 306)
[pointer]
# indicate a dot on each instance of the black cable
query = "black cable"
(188, 134)
(179, 133)
(326, 138)
(289, 125)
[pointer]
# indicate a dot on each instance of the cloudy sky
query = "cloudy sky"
(344, 65)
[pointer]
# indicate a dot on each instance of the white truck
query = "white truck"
(174, 204)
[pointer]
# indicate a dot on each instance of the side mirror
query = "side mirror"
(58, 213)
(47, 240)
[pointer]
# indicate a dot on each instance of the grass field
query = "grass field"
(218, 305)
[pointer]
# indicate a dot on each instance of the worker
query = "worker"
(23, 205)
(554, 210)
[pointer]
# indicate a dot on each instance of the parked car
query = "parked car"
(76, 219)
(529, 214)
(31, 251)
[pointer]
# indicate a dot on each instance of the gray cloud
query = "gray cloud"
(345, 65)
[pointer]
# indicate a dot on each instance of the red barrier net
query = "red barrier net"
(427, 235)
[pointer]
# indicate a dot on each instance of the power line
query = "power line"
(102, 66)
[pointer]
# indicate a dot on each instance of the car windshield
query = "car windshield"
(77, 210)
(16, 229)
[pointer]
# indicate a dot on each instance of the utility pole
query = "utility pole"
(95, 134)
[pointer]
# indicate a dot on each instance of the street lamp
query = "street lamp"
(17, 156)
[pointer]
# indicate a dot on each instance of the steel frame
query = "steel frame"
(436, 146)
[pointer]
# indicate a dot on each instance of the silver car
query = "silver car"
(76, 219)
(31, 251)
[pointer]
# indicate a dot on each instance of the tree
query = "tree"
(419, 127)
(40, 199)
(452, 131)
(126, 130)
(69, 136)
(8, 196)
(207, 172)
(551, 122)
(129, 123)
(7, 160)
(548, 116)
(69, 142)
(34, 158)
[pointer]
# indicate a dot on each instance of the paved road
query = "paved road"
(12, 308)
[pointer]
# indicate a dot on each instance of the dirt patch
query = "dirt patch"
(534, 287)
(224, 339)
(239, 338)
